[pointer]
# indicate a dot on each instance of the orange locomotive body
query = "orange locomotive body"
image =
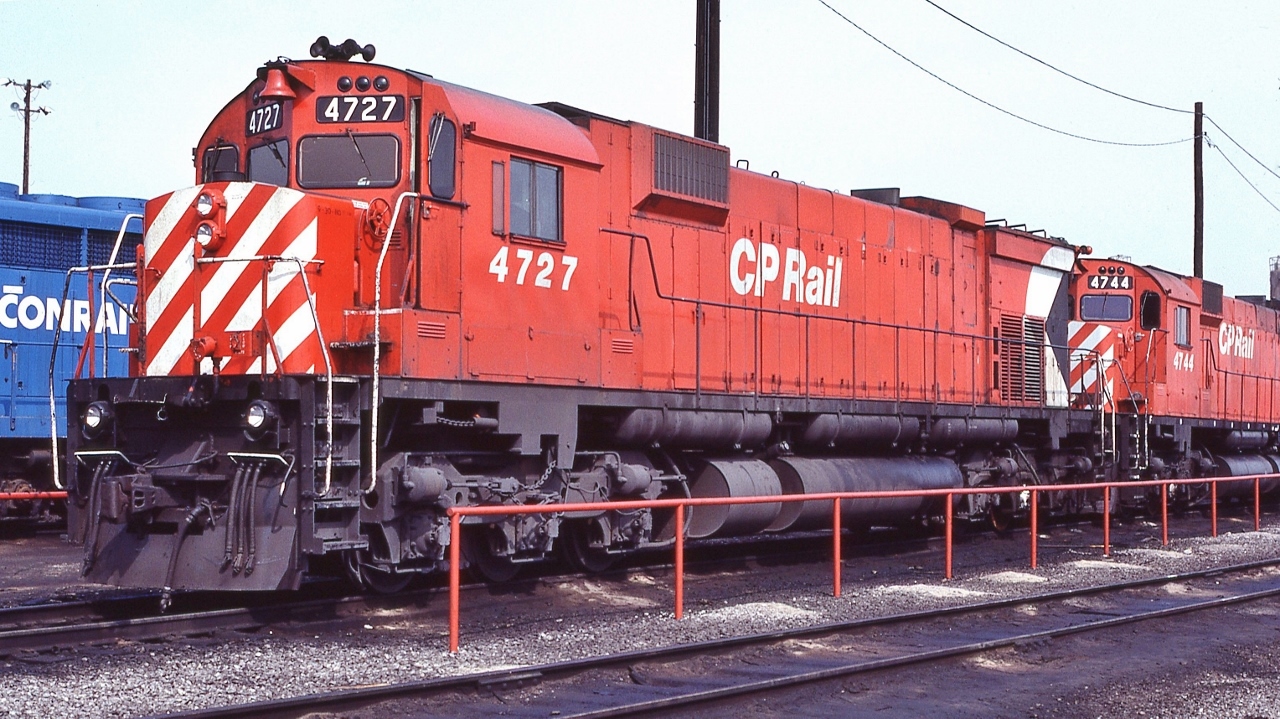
(388, 295)
(1192, 377)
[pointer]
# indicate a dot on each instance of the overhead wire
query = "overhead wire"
(1056, 69)
(992, 105)
(1122, 96)
(1241, 174)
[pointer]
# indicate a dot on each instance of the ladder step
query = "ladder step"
(337, 462)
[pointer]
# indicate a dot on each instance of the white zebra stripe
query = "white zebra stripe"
(249, 245)
(162, 226)
(303, 247)
(177, 344)
(234, 195)
(171, 280)
(295, 330)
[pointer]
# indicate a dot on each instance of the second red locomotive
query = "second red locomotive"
(387, 295)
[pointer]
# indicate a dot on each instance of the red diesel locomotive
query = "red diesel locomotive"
(387, 295)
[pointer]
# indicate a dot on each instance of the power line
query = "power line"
(1242, 176)
(1058, 70)
(1242, 148)
(991, 105)
(1095, 86)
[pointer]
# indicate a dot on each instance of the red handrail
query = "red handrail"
(29, 496)
(678, 504)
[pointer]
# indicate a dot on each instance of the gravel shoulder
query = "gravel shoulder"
(561, 620)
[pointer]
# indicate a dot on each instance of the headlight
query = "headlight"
(208, 236)
(96, 420)
(260, 417)
(204, 205)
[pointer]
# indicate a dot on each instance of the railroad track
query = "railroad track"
(665, 679)
(57, 626)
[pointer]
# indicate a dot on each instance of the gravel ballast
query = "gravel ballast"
(141, 679)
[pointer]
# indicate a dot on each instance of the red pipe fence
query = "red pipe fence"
(678, 504)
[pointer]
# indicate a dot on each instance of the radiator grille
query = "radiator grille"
(687, 168)
(1021, 377)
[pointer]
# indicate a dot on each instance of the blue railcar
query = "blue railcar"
(41, 238)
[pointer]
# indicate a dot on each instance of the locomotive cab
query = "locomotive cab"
(1132, 342)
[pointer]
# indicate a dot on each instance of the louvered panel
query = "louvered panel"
(431, 330)
(1012, 360)
(1033, 362)
(623, 345)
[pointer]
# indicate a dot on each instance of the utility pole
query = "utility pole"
(706, 81)
(1199, 180)
(26, 110)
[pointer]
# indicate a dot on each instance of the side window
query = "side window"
(499, 198)
(269, 163)
(1182, 326)
(535, 200)
(1150, 310)
(441, 155)
(221, 163)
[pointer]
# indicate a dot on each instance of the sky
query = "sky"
(803, 93)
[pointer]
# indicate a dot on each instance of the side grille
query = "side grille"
(687, 168)
(1021, 377)
(623, 345)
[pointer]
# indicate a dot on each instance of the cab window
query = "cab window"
(269, 163)
(1106, 308)
(444, 140)
(1182, 326)
(348, 161)
(221, 163)
(1150, 311)
(535, 200)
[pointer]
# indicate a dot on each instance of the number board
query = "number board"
(262, 119)
(1110, 282)
(370, 108)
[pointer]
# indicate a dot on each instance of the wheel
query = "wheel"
(382, 581)
(576, 546)
(481, 544)
(371, 576)
(1000, 513)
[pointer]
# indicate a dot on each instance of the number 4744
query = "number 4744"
(545, 266)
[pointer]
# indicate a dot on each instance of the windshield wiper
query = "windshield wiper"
(364, 180)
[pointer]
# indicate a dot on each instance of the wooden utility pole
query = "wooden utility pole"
(26, 110)
(1199, 180)
(706, 90)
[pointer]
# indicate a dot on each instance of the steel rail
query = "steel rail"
(918, 658)
(349, 699)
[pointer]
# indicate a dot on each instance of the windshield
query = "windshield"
(1106, 308)
(349, 160)
(269, 163)
(221, 163)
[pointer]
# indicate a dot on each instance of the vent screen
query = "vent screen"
(1021, 377)
(687, 168)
